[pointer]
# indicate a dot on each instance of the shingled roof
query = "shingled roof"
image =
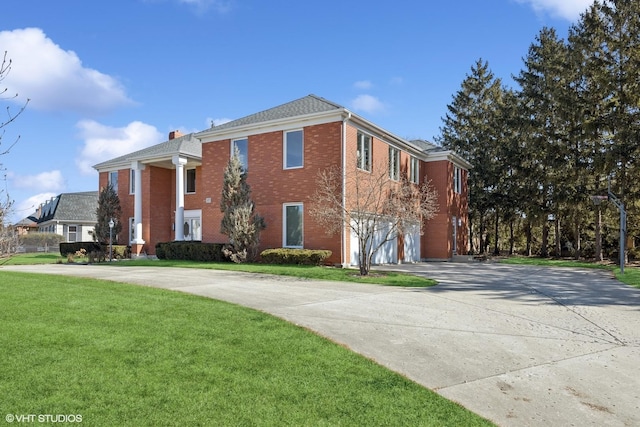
(184, 145)
(80, 207)
(310, 104)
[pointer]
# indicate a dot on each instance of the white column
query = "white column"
(137, 167)
(179, 223)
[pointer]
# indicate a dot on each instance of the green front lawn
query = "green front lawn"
(388, 278)
(129, 355)
(32, 258)
(630, 277)
(303, 271)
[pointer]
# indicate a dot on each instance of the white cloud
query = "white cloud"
(26, 207)
(567, 9)
(44, 181)
(363, 85)
(367, 103)
(103, 142)
(55, 79)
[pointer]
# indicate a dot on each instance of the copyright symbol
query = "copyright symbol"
(10, 418)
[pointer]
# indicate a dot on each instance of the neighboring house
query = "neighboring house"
(26, 225)
(171, 191)
(72, 215)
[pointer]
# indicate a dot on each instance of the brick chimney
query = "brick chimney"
(175, 134)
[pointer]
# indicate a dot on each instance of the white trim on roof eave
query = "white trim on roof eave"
(126, 164)
(449, 155)
(212, 135)
(383, 135)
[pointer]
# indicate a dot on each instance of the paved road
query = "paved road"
(522, 346)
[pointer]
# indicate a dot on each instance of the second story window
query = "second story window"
(293, 149)
(113, 180)
(394, 163)
(132, 181)
(364, 152)
(242, 145)
(414, 170)
(457, 180)
(190, 181)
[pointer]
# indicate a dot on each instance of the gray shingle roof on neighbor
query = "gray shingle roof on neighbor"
(79, 207)
(185, 144)
(309, 104)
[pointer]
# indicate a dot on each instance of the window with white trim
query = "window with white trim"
(292, 225)
(457, 179)
(394, 163)
(414, 170)
(190, 181)
(72, 233)
(242, 145)
(293, 149)
(132, 181)
(113, 180)
(364, 152)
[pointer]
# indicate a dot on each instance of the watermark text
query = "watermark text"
(43, 418)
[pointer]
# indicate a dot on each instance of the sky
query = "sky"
(105, 78)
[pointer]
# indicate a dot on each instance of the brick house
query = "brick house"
(171, 191)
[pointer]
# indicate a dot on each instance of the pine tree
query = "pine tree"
(108, 209)
(543, 82)
(472, 128)
(239, 221)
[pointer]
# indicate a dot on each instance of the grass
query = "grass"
(630, 277)
(135, 356)
(32, 258)
(388, 278)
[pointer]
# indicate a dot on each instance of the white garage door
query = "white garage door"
(387, 254)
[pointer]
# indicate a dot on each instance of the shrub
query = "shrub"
(295, 256)
(192, 251)
(71, 248)
(121, 251)
(94, 251)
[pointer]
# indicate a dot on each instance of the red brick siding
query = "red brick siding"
(437, 239)
(272, 186)
(158, 201)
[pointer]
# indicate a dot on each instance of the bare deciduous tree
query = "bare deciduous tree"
(8, 238)
(375, 208)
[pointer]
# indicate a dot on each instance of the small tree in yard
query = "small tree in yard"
(376, 208)
(239, 221)
(108, 209)
(8, 238)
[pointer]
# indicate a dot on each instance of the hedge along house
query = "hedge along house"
(172, 191)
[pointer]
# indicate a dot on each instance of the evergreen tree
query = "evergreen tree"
(239, 221)
(108, 209)
(543, 83)
(472, 128)
(608, 33)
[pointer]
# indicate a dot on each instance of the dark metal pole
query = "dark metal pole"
(623, 223)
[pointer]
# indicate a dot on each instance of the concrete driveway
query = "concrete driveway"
(522, 346)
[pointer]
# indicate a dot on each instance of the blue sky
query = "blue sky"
(107, 78)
